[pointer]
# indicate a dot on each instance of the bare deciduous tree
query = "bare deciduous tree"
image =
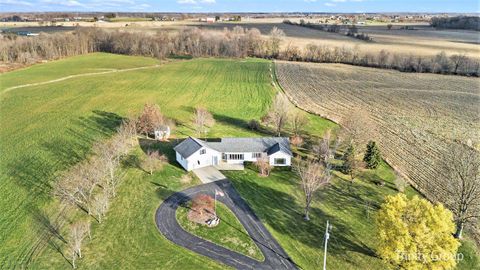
(76, 186)
(153, 161)
(202, 120)
(382, 58)
(100, 204)
(90, 184)
(325, 148)
(291, 53)
(357, 129)
(263, 165)
(275, 38)
(278, 114)
(120, 143)
(128, 129)
(458, 61)
(460, 166)
(298, 120)
(109, 154)
(110, 159)
(78, 232)
(313, 175)
(441, 63)
(197, 42)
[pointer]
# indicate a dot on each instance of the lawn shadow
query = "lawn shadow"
(162, 191)
(242, 124)
(164, 147)
(34, 174)
(132, 161)
(35, 170)
(106, 122)
(285, 216)
(180, 57)
(158, 185)
(49, 230)
(372, 178)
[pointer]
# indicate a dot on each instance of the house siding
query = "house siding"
(196, 160)
(247, 156)
(287, 158)
(182, 161)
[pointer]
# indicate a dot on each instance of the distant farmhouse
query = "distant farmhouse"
(193, 153)
(208, 19)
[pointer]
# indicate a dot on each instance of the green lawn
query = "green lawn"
(71, 66)
(48, 128)
(350, 209)
(129, 238)
(229, 233)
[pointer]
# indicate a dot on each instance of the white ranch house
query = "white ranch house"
(193, 153)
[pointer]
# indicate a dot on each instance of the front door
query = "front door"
(215, 160)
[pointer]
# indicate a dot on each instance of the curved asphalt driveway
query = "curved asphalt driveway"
(275, 256)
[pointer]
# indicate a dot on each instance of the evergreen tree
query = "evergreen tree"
(350, 165)
(372, 155)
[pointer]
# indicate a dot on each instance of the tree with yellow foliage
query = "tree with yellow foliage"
(414, 234)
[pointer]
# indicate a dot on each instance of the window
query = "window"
(203, 151)
(235, 156)
(279, 161)
(256, 155)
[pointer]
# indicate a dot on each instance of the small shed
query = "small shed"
(162, 132)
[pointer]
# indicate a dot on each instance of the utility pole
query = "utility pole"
(327, 235)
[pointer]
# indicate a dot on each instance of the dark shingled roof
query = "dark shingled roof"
(188, 146)
(279, 147)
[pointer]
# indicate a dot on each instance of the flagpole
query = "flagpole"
(215, 203)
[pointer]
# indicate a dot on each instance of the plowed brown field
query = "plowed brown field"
(417, 115)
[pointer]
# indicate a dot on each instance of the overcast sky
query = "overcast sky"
(242, 5)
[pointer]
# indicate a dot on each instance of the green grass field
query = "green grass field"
(350, 209)
(228, 233)
(72, 66)
(129, 239)
(47, 128)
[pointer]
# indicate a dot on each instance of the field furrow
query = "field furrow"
(417, 116)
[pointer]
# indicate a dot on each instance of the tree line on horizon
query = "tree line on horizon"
(235, 43)
(457, 22)
(349, 31)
